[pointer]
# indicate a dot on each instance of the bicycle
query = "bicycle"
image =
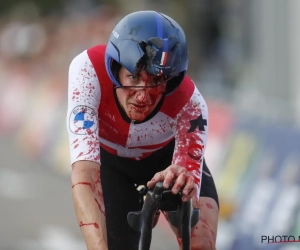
(180, 214)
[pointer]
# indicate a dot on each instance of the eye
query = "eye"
(133, 77)
(133, 80)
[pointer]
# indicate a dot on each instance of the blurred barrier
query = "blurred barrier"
(261, 182)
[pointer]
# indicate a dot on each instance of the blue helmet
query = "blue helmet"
(151, 39)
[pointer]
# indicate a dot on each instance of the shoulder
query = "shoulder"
(180, 97)
(98, 49)
(93, 55)
(81, 68)
(82, 72)
(79, 61)
(97, 55)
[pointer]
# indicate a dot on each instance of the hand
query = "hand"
(182, 180)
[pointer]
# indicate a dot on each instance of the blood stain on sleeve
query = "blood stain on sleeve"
(75, 141)
(80, 154)
(92, 145)
(76, 92)
(190, 146)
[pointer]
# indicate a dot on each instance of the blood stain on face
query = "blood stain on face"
(144, 102)
(138, 101)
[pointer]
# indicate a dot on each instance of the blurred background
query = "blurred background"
(245, 60)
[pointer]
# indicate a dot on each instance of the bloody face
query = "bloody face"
(140, 93)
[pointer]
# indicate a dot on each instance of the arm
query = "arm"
(88, 203)
(82, 124)
(190, 135)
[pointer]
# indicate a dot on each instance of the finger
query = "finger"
(179, 183)
(189, 187)
(176, 169)
(169, 177)
(190, 195)
(158, 177)
(190, 183)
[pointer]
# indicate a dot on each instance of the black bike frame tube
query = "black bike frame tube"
(185, 227)
(149, 210)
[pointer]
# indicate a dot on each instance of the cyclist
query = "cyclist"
(134, 118)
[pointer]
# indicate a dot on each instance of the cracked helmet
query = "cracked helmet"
(149, 40)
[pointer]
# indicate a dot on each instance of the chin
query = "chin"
(137, 116)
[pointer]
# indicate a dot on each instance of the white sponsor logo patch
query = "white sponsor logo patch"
(116, 34)
(83, 120)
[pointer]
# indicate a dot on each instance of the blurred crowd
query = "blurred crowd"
(35, 54)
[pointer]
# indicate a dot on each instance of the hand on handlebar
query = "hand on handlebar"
(182, 179)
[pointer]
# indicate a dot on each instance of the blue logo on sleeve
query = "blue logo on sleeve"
(83, 120)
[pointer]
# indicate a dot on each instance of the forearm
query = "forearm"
(191, 136)
(88, 203)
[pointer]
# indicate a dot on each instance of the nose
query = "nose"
(142, 95)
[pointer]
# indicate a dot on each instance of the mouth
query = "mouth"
(138, 107)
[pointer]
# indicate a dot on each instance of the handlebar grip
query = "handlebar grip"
(147, 215)
(184, 218)
(142, 221)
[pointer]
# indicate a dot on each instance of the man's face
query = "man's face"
(141, 93)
